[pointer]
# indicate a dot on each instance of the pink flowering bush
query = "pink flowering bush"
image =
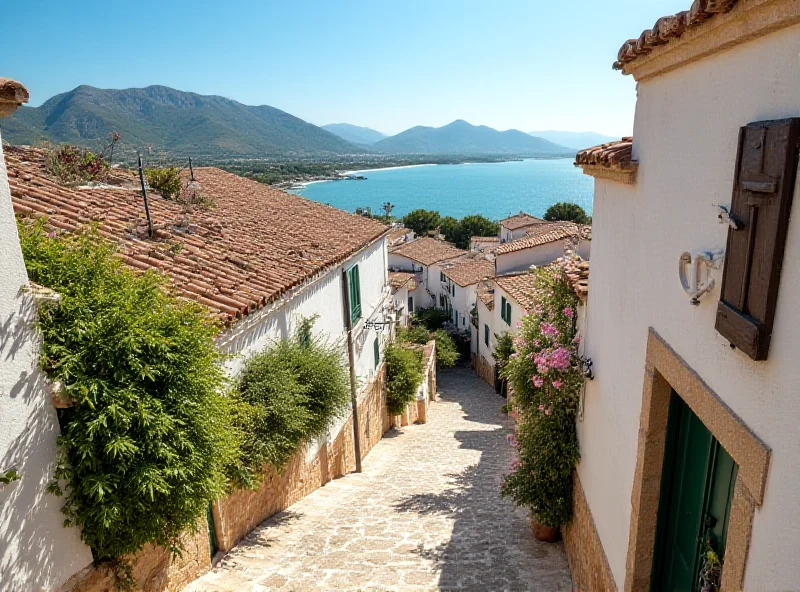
(547, 378)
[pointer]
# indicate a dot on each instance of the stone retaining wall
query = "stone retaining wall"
(236, 515)
(483, 369)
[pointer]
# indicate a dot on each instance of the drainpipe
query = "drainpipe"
(352, 363)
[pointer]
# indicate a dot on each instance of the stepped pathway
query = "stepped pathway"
(425, 514)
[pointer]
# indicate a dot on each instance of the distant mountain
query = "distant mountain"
(461, 137)
(577, 140)
(354, 133)
(181, 123)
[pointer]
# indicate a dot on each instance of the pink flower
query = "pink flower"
(511, 440)
(541, 407)
(556, 384)
(537, 343)
(538, 381)
(577, 339)
(569, 312)
(547, 412)
(542, 363)
(549, 329)
(514, 356)
(519, 324)
(514, 464)
(559, 359)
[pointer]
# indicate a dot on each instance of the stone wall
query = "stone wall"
(236, 515)
(483, 369)
(587, 560)
(417, 411)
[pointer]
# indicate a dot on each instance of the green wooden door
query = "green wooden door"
(694, 505)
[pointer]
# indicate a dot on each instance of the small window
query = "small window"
(503, 308)
(508, 313)
(376, 348)
(441, 276)
(486, 334)
(354, 287)
(463, 320)
(410, 304)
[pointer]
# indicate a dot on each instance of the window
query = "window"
(410, 304)
(441, 301)
(441, 276)
(354, 287)
(454, 289)
(505, 310)
(486, 334)
(463, 320)
(376, 349)
(455, 317)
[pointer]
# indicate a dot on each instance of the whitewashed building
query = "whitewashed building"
(541, 244)
(462, 277)
(36, 551)
(689, 434)
(516, 226)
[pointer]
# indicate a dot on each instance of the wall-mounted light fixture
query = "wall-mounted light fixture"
(694, 271)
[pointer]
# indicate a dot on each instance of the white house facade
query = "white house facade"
(684, 363)
(542, 244)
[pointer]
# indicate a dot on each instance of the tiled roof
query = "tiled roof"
(397, 236)
(12, 95)
(247, 250)
(613, 160)
(469, 271)
(539, 235)
(521, 220)
(398, 279)
(520, 286)
(670, 27)
(428, 250)
(487, 296)
(577, 272)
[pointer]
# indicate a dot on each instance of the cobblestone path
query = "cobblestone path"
(424, 515)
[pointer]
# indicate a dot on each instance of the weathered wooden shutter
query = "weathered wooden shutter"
(766, 170)
(355, 293)
(503, 308)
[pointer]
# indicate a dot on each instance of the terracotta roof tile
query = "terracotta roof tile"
(469, 271)
(577, 273)
(486, 296)
(670, 27)
(485, 239)
(541, 234)
(521, 220)
(428, 251)
(398, 279)
(397, 236)
(520, 286)
(252, 246)
(612, 154)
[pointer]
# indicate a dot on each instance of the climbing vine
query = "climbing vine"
(145, 444)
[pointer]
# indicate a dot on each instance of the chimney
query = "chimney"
(12, 95)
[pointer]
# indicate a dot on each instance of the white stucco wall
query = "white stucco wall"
(539, 255)
(400, 297)
(485, 317)
(517, 311)
(509, 235)
(36, 551)
(686, 130)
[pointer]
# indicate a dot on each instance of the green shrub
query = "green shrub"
(287, 394)
(446, 351)
(403, 376)
(144, 447)
(166, 181)
(430, 318)
(567, 211)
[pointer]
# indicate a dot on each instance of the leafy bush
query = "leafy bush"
(72, 165)
(289, 393)
(430, 318)
(446, 352)
(547, 377)
(567, 211)
(144, 447)
(469, 226)
(421, 221)
(403, 376)
(166, 181)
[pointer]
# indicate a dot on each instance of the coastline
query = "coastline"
(340, 176)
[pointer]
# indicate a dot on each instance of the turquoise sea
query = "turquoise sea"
(495, 190)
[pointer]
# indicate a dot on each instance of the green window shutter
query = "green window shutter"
(376, 348)
(508, 313)
(503, 308)
(355, 293)
(486, 334)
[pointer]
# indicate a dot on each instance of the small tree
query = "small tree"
(387, 210)
(448, 226)
(421, 221)
(166, 181)
(566, 211)
(474, 225)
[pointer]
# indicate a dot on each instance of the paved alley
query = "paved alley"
(425, 514)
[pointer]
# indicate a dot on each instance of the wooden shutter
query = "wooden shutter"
(355, 293)
(508, 313)
(766, 169)
(486, 334)
(503, 307)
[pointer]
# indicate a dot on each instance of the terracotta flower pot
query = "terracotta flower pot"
(546, 534)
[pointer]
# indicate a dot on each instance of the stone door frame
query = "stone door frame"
(665, 370)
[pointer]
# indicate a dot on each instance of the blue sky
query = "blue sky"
(525, 64)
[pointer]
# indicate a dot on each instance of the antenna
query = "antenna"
(144, 195)
(191, 169)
